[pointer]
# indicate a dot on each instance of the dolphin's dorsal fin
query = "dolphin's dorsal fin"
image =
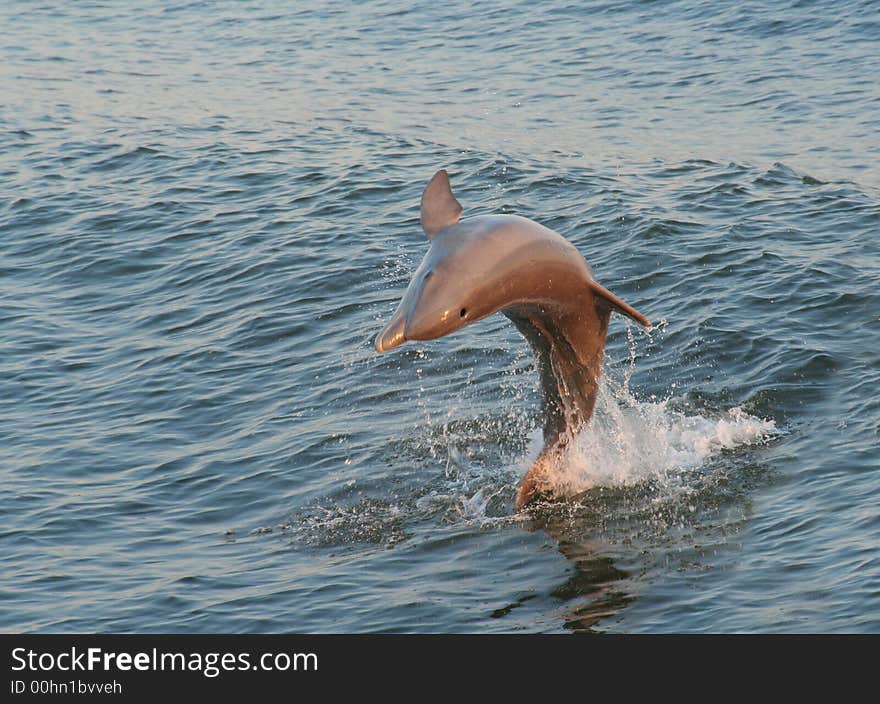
(439, 207)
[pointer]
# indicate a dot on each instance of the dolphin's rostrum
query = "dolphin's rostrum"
(510, 264)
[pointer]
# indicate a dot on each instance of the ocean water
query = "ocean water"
(208, 210)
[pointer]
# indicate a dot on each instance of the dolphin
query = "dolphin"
(487, 264)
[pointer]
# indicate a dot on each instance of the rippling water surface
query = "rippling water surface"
(208, 210)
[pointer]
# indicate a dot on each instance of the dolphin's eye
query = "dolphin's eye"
(463, 312)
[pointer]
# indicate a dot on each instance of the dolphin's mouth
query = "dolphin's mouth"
(411, 323)
(393, 334)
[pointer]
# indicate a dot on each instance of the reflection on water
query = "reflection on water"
(596, 586)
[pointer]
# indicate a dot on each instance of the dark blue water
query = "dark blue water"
(208, 211)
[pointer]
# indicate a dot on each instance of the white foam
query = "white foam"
(629, 442)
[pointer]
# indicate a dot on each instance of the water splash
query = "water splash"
(627, 443)
(637, 442)
(630, 441)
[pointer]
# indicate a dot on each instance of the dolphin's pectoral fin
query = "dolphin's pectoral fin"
(605, 298)
(439, 207)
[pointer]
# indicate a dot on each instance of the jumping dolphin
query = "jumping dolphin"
(506, 263)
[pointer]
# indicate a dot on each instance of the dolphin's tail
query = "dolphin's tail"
(538, 480)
